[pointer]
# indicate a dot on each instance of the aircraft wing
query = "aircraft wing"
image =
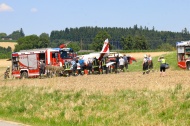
(109, 64)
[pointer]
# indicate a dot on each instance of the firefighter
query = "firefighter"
(96, 64)
(145, 65)
(116, 64)
(150, 63)
(42, 68)
(67, 68)
(104, 65)
(66, 65)
(74, 66)
(6, 75)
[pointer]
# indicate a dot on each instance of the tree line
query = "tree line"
(91, 38)
(123, 38)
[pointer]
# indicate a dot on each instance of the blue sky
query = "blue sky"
(44, 16)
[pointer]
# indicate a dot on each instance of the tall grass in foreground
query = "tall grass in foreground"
(47, 107)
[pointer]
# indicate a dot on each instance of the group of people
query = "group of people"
(78, 66)
(148, 65)
(121, 63)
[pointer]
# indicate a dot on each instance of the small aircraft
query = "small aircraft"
(105, 52)
(99, 55)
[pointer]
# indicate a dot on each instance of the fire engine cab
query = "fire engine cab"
(25, 63)
(183, 54)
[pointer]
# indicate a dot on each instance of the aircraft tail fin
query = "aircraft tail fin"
(105, 49)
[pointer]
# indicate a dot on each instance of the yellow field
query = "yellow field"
(106, 83)
(6, 44)
(141, 55)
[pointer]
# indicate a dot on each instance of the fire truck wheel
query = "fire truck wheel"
(24, 75)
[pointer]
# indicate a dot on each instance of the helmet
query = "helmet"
(145, 55)
(8, 66)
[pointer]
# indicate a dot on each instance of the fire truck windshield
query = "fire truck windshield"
(63, 54)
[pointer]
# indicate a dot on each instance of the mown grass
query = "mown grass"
(46, 107)
(171, 59)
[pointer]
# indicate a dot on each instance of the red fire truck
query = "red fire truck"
(25, 63)
(183, 54)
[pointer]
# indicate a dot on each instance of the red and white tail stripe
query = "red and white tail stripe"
(105, 49)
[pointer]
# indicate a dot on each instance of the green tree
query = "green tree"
(166, 47)
(28, 42)
(140, 43)
(3, 35)
(99, 39)
(17, 34)
(127, 43)
(44, 40)
(5, 52)
(21, 33)
(74, 45)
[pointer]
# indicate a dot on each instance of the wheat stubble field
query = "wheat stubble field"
(107, 83)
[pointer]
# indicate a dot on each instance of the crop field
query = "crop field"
(6, 44)
(127, 98)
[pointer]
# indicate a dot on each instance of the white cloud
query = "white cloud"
(5, 7)
(33, 10)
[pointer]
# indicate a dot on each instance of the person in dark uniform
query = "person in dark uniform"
(6, 74)
(116, 64)
(126, 61)
(96, 65)
(150, 63)
(145, 65)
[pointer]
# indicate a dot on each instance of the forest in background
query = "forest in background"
(91, 38)
(121, 36)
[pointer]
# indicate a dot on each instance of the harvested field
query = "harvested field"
(6, 44)
(141, 55)
(4, 63)
(109, 83)
(106, 83)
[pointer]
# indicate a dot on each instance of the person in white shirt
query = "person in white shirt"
(121, 63)
(145, 65)
(150, 63)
